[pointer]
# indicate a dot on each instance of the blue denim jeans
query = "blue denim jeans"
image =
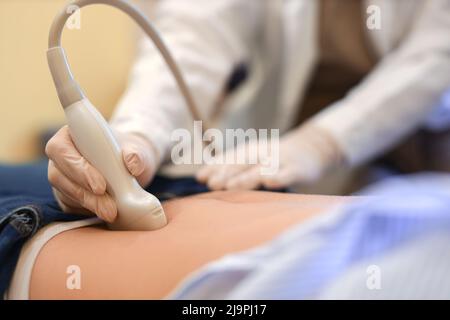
(27, 204)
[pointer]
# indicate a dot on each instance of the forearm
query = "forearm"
(395, 99)
(206, 44)
(378, 116)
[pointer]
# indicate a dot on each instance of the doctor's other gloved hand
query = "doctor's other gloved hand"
(79, 187)
(305, 154)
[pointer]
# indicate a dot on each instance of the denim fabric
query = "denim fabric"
(27, 204)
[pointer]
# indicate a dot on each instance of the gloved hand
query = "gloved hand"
(79, 187)
(305, 155)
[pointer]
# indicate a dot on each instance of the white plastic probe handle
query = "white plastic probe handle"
(137, 209)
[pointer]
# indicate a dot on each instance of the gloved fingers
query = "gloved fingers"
(249, 179)
(69, 205)
(63, 184)
(219, 171)
(245, 157)
(74, 196)
(216, 179)
(205, 172)
(61, 150)
(138, 164)
(139, 157)
(283, 178)
(219, 178)
(102, 206)
(290, 175)
(133, 160)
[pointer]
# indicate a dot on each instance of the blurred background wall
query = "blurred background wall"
(100, 53)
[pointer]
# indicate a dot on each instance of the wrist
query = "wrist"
(321, 146)
(147, 145)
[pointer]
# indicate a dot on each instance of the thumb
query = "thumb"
(134, 161)
(140, 159)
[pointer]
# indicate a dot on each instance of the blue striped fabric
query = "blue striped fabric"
(307, 260)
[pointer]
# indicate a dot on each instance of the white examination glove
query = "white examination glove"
(79, 187)
(305, 154)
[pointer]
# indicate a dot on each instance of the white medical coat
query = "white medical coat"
(277, 39)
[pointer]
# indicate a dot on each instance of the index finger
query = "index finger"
(68, 160)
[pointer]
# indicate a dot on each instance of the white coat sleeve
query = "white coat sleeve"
(397, 96)
(207, 39)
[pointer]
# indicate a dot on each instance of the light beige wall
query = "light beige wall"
(100, 54)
